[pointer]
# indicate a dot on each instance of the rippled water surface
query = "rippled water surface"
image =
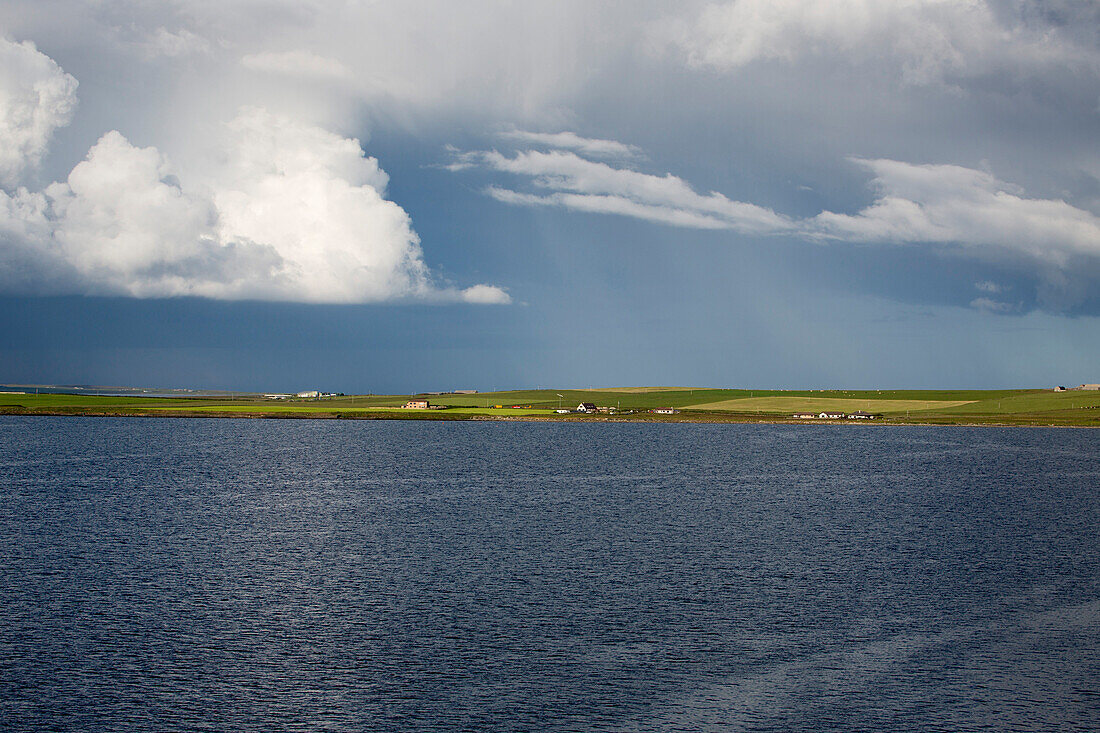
(187, 574)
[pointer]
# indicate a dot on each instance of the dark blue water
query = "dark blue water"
(184, 574)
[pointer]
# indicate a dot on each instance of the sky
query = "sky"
(395, 196)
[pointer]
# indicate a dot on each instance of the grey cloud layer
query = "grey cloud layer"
(793, 84)
(927, 41)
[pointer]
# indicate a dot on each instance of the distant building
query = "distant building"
(588, 407)
(465, 391)
(563, 411)
(861, 415)
(1090, 387)
(828, 415)
(277, 396)
(1059, 388)
(417, 405)
(309, 393)
(805, 415)
(664, 411)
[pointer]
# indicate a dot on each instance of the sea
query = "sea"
(171, 574)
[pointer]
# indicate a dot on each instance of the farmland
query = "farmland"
(818, 404)
(978, 407)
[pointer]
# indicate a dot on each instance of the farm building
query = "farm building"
(664, 411)
(1090, 387)
(805, 415)
(308, 393)
(828, 415)
(588, 407)
(1059, 388)
(861, 415)
(417, 405)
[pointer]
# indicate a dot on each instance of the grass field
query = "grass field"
(323, 408)
(1005, 407)
(788, 405)
(67, 400)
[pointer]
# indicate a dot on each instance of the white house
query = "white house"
(309, 393)
(830, 415)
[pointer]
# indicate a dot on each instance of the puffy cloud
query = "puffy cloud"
(123, 222)
(292, 212)
(485, 295)
(592, 186)
(952, 204)
(316, 200)
(36, 98)
(927, 40)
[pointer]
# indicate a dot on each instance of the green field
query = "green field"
(1003, 407)
(351, 411)
(818, 404)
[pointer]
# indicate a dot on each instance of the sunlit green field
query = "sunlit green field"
(68, 400)
(1013, 407)
(818, 404)
(312, 408)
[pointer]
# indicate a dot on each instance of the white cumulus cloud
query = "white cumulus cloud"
(291, 212)
(315, 199)
(36, 98)
(126, 226)
(485, 295)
